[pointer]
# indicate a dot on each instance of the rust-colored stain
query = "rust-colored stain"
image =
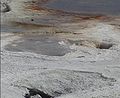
(35, 7)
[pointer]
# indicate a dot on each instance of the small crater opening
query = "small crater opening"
(94, 44)
(104, 46)
(34, 92)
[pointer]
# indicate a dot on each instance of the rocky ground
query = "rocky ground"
(53, 54)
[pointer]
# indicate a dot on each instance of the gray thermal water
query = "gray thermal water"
(86, 6)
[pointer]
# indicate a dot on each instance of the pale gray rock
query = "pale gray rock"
(36, 96)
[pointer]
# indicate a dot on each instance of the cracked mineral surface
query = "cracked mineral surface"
(51, 51)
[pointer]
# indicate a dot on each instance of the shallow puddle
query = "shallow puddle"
(45, 45)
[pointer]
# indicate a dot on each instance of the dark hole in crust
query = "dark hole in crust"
(5, 7)
(32, 19)
(104, 45)
(33, 92)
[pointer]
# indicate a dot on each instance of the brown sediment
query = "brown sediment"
(31, 24)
